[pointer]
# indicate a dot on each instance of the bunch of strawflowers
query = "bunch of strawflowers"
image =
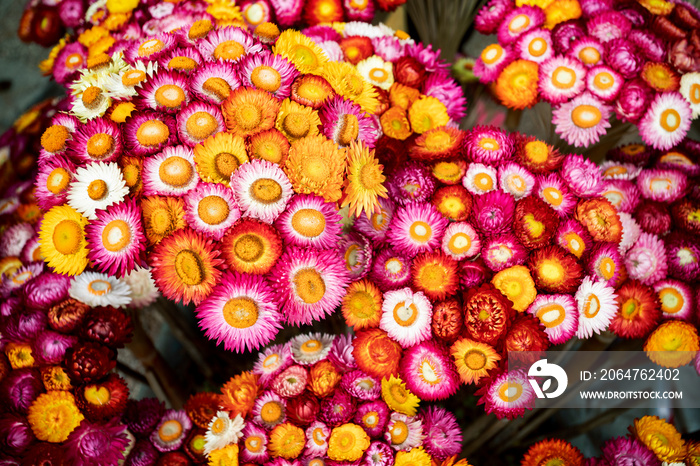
(56, 380)
(652, 442)
(592, 59)
(656, 195)
(45, 22)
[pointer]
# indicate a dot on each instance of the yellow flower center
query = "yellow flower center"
(248, 116)
(182, 64)
(266, 78)
(297, 124)
(150, 47)
(489, 144)
(229, 50)
(604, 80)
(99, 287)
(58, 180)
(405, 314)
(176, 171)
(97, 395)
(591, 306)
(213, 210)
(510, 391)
(161, 221)
(152, 133)
(534, 227)
(586, 116)
(189, 267)
(371, 419)
(563, 77)
(218, 426)
(54, 138)
(537, 47)
(432, 276)
(589, 55)
(551, 315)
(271, 412)
(200, 29)
(475, 359)
(429, 373)
(459, 243)
(309, 285)
(398, 432)
(99, 145)
(670, 120)
(249, 248)
(217, 86)
(303, 55)
(116, 235)
(97, 190)
(694, 94)
(170, 431)
(309, 222)
(201, 125)
(537, 151)
(265, 191)
(420, 231)
(131, 174)
(361, 305)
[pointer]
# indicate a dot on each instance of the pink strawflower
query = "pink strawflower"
(491, 15)
(582, 120)
(93, 444)
(428, 371)
(493, 212)
(443, 436)
(608, 25)
(646, 260)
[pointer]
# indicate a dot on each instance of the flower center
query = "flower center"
(371, 177)
(271, 412)
(311, 346)
(265, 191)
(671, 300)
(229, 50)
(535, 228)
(552, 271)
(249, 116)
(371, 419)
(254, 14)
(160, 221)
(591, 306)
(176, 171)
(309, 285)
(537, 47)
(537, 151)
(225, 164)
(303, 55)
(152, 133)
(420, 231)
(348, 129)
(519, 24)
(317, 169)
(492, 54)
(489, 144)
(589, 55)
(150, 47)
(296, 124)
(551, 315)
(630, 308)
(398, 432)
(509, 392)
(694, 93)
(99, 287)
(218, 426)
(201, 125)
(253, 444)
(249, 248)
(133, 77)
(553, 196)
(429, 373)
(74, 61)
(483, 181)
(604, 80)
(459, 243)
(670, 120)
(405, 314)
(586, 116)
(217, 86)
(97, 190)
(131, 174)
(170, 96)
(213, 210)
(170, 430)
(308, 222)
(116, 235)
(97, 395)
(607, 268)
(200, 29)
(58, 180)
(240, 312)
(99, 145)
(92, 97)
(54, 138)
(189, 267)
(182, 64)
(563, 77)
(475, 359)
(266, 78)
(268, 150)
(361, 304)
(433, 277)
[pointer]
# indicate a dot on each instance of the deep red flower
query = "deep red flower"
(487, 314)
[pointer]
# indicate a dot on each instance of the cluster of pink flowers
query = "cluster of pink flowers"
(594, 59)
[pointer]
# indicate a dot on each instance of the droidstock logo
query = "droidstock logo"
(542, 369)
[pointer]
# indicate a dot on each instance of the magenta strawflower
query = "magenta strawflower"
(492, 61)
(582, 120)
(604, 83)
(622, 194)
(614, 170)
(650, 45)
(52, 182)
(518, 21)
(46, 290)
(473, 273)
(170, 173)
(558, 315)
(344, 121)
(253, 445)
(391, 270)
(15, 280)
(683, 257)
(410, 183)
(148, 133)
(317, 439)
(604, 262)
(337, 409)
(269, 410)
(561, 78)
(388, 48)
(676, 298)
(488, 145)
(443, 436)
(535, 45)
(287, 12)
(341, 353)
(310, 221)
(250, 183)
(16, 434)
(372, 416)
(212, 82)
(142, 416)
(360, 385)
(461, 241)
(666, 122)
(210, 50)
(357, 251)
(406, 316)
(98, 140)
(240, 312)
(50, 347)
(116, 241)
(588, 50)
(197, 121)
(507, 395)
(480, 178)
(503, 251)
(150, 49)
(628, 451)
(622, 56)
(493, 212)
(69, 61)
(429, 371)
(516, 180)
(20, 388)
(630, 231)
(632, 103)
(608, 25)
(491, 15)
(552, 189)
(24, 326)
(404, 432)
(97, 444)
(273, 360)
(171, 431)
(653, 217)
(271, 73)
(415, 228)
(376, 225)
(211, 209)
(379, 453)
(143, 453)
(165, 92)
(566, 33)
(308, 284)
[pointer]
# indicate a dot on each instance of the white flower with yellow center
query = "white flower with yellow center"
(377, 71)
(96, 187)
(99, 289)
(223, 431)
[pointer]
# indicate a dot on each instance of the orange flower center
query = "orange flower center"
(152, 133)
(99, 145)
(97, 190)
(229, 50)
(309, 285)
(405, 314)
(213, 210)
(176, 171)
(551, 315)
(266, 78)
(58, 180)
(116, 235)
(217, 86)
(586, 116)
